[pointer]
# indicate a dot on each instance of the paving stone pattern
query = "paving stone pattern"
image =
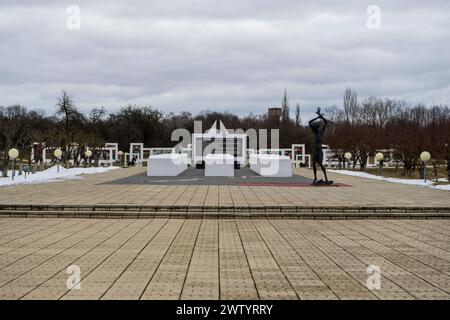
(223, 259)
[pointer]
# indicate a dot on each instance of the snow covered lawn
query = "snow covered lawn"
(415, 182)
(52, 174)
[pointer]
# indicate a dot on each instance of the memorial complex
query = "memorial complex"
(223, 156)
(221, 216)
(214, 219)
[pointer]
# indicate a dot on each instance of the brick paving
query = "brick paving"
(227, 258)
(224, 259)
(97, 190)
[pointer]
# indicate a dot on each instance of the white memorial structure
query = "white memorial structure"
(271, 165)
(107, 155)
(219, 165)
(219, 142)
(167, 165)
(298, 154)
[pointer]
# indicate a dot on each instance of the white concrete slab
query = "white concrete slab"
(253, 161)
(167, 165)
(219, 165)
(271, 165)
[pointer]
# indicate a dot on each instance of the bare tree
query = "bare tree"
(73, 122)
(66, 108)
(97, 114)
(350, 105)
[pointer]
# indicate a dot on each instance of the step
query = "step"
(223, 209)
(90, 214)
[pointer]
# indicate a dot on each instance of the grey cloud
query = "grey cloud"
(225, 55)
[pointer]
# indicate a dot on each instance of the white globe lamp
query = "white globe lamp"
(425, 156)
(58, 154)
(379, 157)
(13, 155)
(348, 156)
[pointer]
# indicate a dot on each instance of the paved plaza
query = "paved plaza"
(226, 259)
(193, 176)
(167, 256)
(107, 190)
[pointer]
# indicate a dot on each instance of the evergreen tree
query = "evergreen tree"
(285, 108)
(298, 119)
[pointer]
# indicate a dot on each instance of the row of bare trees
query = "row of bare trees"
(402, 130)
(68, 128)
(73, 131)
(361, 128)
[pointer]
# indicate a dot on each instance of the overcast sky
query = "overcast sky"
(234, 55)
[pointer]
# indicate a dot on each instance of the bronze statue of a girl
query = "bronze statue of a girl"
(318, 131)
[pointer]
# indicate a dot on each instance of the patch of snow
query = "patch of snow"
(443, 187)
(414, 182)
(51, 175)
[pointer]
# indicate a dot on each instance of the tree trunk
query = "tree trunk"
(20, 166)
(435, 168)
(448, 170)
(5, 167)
(362, 163)
(363, 167)
(407, 169)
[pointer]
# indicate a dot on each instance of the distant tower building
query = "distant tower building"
(275, 113)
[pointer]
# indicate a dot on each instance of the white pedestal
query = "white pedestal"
(271, 165)
(167, 165)
(219, 165)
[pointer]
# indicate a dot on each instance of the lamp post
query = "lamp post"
(57, 153)
(13, 154)
(120, 154)
(425, 156)
(348, 156)
(88, 155)
(380, 157)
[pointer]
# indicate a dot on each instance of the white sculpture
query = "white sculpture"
(167, 165)
(271, 165)
(219, 165)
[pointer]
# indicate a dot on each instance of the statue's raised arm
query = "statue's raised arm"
(325, 123)
(316, 118)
